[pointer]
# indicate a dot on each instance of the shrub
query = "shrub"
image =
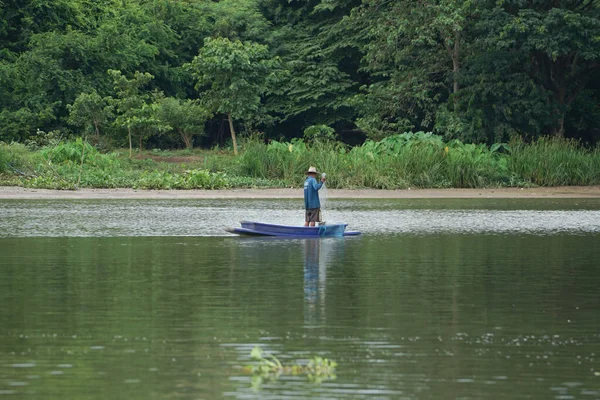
(72, 151)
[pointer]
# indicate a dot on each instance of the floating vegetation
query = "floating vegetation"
(317, 370)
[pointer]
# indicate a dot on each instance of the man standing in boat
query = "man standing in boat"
(311, 197)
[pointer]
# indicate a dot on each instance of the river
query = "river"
(439, 298)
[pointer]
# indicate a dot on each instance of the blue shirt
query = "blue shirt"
(311, 194)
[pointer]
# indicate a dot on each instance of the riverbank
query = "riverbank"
(11, 192)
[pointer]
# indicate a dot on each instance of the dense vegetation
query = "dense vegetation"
(160, 73)
(322, 76)
(396, 162)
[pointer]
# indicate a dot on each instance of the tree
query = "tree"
(22, 19)
(321, 56)
(146, 120)
(56, 49)
(185, 117)
(232, 77)
(560, 41)
(238, 19)
(413, 52)
(89, 111)
(130, 103)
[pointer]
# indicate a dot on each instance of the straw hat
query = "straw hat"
(312, 170)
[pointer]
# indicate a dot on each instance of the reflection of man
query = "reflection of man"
(311, 197)
(311, 279)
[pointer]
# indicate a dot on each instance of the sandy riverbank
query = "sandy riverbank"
(551, 192)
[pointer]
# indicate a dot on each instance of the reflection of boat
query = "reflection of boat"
(261, 229)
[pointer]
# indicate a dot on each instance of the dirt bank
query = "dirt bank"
(552, 192)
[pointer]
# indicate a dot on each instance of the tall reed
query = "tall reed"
(555, 162)
(424, 160)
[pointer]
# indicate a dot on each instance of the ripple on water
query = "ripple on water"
(182, 218)
(23, 365)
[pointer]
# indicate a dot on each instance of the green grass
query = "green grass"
(419, 160)
(555, 162)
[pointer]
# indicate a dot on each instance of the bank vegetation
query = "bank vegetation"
(418, 160)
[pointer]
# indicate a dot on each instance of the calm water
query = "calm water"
(439, 299)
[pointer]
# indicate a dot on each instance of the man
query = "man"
(311, 197)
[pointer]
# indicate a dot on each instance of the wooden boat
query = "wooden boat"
(262, 229)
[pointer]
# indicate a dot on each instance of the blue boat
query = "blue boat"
(262, 229)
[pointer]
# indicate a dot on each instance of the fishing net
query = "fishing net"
(323, 198)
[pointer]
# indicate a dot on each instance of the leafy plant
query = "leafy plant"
(319, 133)
(72, 151)
(317, 370)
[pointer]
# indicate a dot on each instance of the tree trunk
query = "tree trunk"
(140, 145)
(456, 61)
(97, 128)
(187, 139)
(235, 149)
(560, 129)
(130, 144)
(456, 67)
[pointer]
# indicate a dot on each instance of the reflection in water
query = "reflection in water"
(317, 255)
(412, 315)
(314, 292)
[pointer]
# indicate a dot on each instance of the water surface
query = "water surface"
(464, 299)
(101, 218)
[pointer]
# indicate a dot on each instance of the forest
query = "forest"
(182, 73)
(386, 94)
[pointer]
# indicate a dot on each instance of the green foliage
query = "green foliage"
(232, 76)
(498, 100)
(89, 111)
(481, 71)
(422, 160)
(69, 152)
(238, 19)
(43, 139)
(584, 117)
(49, 181)
(4, 159)
(401, 161)
(559, 42)
(319, 133)
(555, 162)
(414, 50)
(184, 118)
(23, 123)
(317, 370)
(277, 160)
(191, 179)
(128, 93)
(14, 158)
(135, 112)
(321, 59)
